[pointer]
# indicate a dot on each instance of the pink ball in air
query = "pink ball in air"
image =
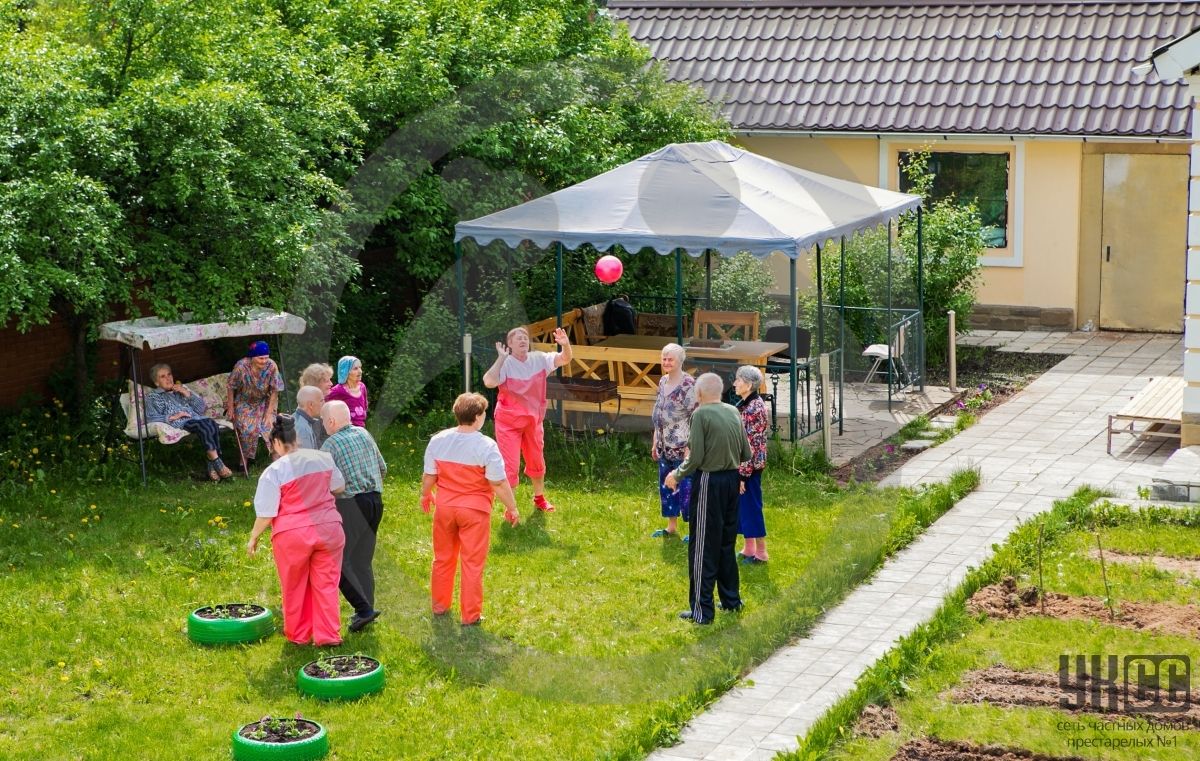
(609, 269)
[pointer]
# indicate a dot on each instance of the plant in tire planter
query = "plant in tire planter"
(341, 677)
(230, 623)
(273, 738)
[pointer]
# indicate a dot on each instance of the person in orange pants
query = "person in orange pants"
(521, 374)
(295, 499)
(467, 472)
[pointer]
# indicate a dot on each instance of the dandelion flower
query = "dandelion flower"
(54, 491)
(97, 662)
(246, 503)
(91, 507)
(16, 525)
(83, 520)
(64, 677)
(62, 664)
(34, 450)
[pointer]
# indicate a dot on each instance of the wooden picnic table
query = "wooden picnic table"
(741, 352)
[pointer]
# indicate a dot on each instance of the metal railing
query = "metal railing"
(902, 329)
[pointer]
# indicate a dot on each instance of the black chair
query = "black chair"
(781, 362)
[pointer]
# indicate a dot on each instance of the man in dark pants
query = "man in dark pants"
(361, 506)
(717, 444)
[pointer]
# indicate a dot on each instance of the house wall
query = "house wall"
(1190, 430)
(854, 159)
(1037, 280)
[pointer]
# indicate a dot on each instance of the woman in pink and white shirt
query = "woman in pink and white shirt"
(521, 374)
(295, 498)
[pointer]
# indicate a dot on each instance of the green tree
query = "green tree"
(150, 165)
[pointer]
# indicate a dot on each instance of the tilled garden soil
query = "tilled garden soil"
(1187, 566)
(1000, 685)
(877, 721)
(932, 749)
(1005, 600)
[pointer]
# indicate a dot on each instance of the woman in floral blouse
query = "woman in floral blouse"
(750, 505)
(672, 411)
(253, 398)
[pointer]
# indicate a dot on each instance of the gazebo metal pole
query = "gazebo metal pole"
(462, 308)
(679, 294)
(842, 337)
(921, 297)
(793, 428)
(820, 331)
(891, 361)
(820, 305)
(558, 267)
(137, 401)
(707, 278)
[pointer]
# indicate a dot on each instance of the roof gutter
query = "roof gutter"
(965, 137)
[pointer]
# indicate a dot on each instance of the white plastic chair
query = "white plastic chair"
(881, 354)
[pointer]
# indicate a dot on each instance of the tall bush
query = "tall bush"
(740, 284)
(952, 233)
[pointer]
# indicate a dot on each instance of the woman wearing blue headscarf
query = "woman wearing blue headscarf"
(253, 398)
(351, 389)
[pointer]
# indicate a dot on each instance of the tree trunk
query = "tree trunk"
(80, 371)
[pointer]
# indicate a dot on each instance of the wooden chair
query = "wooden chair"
(725, 326)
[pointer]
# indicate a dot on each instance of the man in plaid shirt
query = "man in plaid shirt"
(361, 506)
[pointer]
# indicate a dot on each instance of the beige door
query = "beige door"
(1143, 248)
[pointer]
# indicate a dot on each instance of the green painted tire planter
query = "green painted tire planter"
(230, 631)
(308, 749)
(341, 687)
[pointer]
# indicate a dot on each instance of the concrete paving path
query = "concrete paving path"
(1039, 446)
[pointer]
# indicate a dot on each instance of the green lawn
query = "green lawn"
(581, 654)
(1036, 644)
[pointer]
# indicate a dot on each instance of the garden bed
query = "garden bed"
(932, 749)
(984, 678)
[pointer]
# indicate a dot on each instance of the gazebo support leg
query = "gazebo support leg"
(793, 428)
(137, 401)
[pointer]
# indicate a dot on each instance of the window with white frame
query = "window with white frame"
(979, 178)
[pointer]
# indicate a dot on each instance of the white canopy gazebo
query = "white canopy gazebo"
(695, 198)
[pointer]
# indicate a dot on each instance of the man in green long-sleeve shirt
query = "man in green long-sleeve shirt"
(717, 444)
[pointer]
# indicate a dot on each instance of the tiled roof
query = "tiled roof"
(1055, 68)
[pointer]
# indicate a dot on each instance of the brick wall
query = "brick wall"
(1011, 317)
(34, 356)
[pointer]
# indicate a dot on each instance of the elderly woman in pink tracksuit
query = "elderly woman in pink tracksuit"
(521, 374)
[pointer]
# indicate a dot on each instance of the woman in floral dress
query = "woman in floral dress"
(672, 413)
(253, 398)
(756, 420)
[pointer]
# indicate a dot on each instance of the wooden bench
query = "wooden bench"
(1157, 405)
